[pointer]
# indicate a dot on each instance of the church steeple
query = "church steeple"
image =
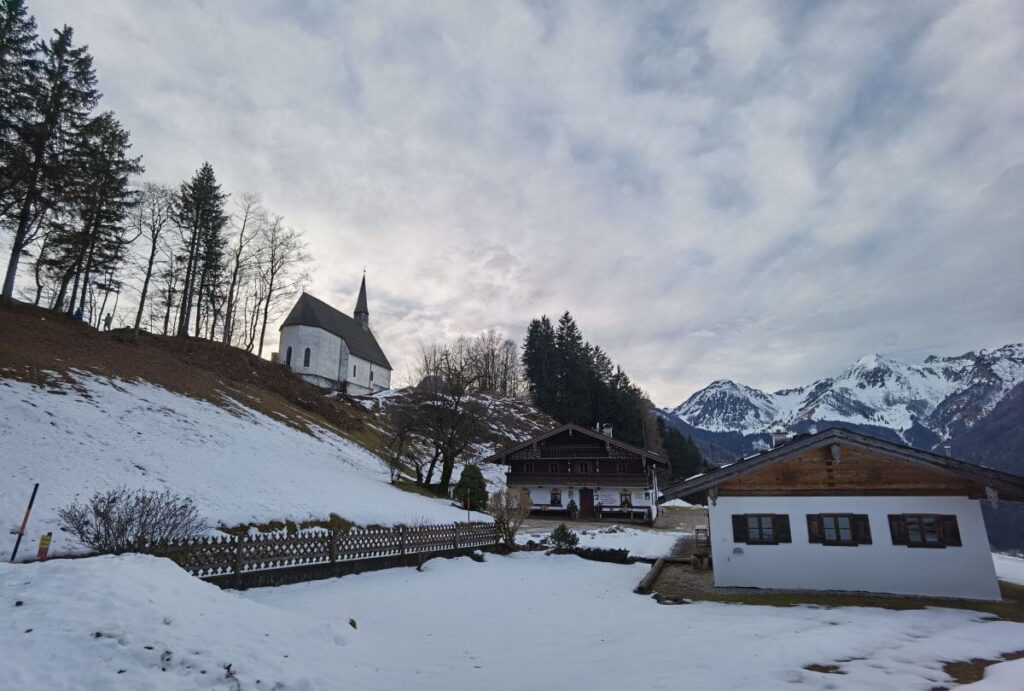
(362, 313)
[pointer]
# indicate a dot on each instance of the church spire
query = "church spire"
(362, 313)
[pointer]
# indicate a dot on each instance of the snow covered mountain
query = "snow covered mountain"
(923, 404)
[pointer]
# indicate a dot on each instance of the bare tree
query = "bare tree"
(509, 507)
(152, 217)
(403, 421)
(280, 268)
(451, 417)
(247, 222)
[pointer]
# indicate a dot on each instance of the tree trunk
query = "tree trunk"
(145, 288)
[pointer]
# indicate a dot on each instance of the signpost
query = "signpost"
(24, 523)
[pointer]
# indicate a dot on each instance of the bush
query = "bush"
(563, 538)
(510, 507)
(122, 520)
(473, 487)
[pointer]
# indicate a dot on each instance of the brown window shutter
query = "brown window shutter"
(780, 522)
(898, 528)
(861, 529)
(739, 528)
(815, 532)
(949, 531)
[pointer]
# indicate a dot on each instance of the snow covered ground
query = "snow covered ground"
(238, 465)
(523, 622)
(642, 543)
(1009, 568)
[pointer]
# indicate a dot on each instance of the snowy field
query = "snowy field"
(523, 622)
(239, 466)
(643, 543)
(1009, 568)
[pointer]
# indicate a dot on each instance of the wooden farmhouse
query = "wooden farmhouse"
(844, 511)
(580, 473)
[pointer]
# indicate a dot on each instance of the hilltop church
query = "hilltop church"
(333, 350)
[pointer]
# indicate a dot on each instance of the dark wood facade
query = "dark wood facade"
(585, 473)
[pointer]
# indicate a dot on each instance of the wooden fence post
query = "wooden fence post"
(456, 536)
(238, 561)
(334, 545)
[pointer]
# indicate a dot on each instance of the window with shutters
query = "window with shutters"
(761, 529)
(625, 498)
(528, 467)
(924, 530)
(556, 497)
(584, 467)
(838, 529)
(623, 469)
(552, 467)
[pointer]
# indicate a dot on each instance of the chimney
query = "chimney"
(779, 437)
(949, 450)
(606, 430)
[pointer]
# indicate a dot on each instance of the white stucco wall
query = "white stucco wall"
(964, 572)
(608, 497)
(330, 361)
(326, 353)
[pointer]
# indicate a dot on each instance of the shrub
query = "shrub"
(121, 520)
(510, 507)
(563, 538)
(472, 486)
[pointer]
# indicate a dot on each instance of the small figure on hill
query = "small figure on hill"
(107, 321)
(78, 315)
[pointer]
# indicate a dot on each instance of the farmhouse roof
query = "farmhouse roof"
(1008, 485)
(309, 311)
(500, 456)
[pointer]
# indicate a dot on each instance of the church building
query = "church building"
(333, 350)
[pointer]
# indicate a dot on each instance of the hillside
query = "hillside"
(250, 443)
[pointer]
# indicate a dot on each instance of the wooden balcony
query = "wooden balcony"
(579, 479)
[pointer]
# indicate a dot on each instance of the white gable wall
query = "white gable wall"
(963, 572)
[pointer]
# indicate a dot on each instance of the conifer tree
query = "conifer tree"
(201, 219)
(61, 97)
(19, 67)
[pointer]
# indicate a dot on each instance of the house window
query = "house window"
(288, 356)
(761, 529)
(305, 358)
(552, 467)
(556, 497)
(924, 530)
(371, 375)
(528, 467)
(353, 370)
(625, 498)
(622, 468)
(838, 529)
(584, 467)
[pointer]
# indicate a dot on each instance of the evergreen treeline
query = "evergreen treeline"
(79, 219)
(576, 382)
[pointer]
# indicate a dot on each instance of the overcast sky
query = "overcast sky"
(755, 191)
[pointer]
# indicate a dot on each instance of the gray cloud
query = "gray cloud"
(758, 191)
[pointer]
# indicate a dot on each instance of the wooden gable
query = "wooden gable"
(840, 469)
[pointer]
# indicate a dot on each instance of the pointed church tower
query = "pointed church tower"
(362, 313)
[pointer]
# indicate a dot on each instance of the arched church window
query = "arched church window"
(305, 358)
(288, 356)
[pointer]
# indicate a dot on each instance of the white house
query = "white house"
(844, 511)
(333, 350)
(580, 473)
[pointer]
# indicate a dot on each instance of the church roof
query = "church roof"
(309, 311)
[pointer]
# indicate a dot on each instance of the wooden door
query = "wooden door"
(586, 502)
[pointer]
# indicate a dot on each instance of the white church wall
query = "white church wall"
(327, 357)
(358, 376)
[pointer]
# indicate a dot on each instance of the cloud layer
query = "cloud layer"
(753, 191)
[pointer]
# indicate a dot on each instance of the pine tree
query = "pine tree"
(538, 362)
(96, 241)
(201, 217)
(683, 455)
(61, 96)
(19, 68)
